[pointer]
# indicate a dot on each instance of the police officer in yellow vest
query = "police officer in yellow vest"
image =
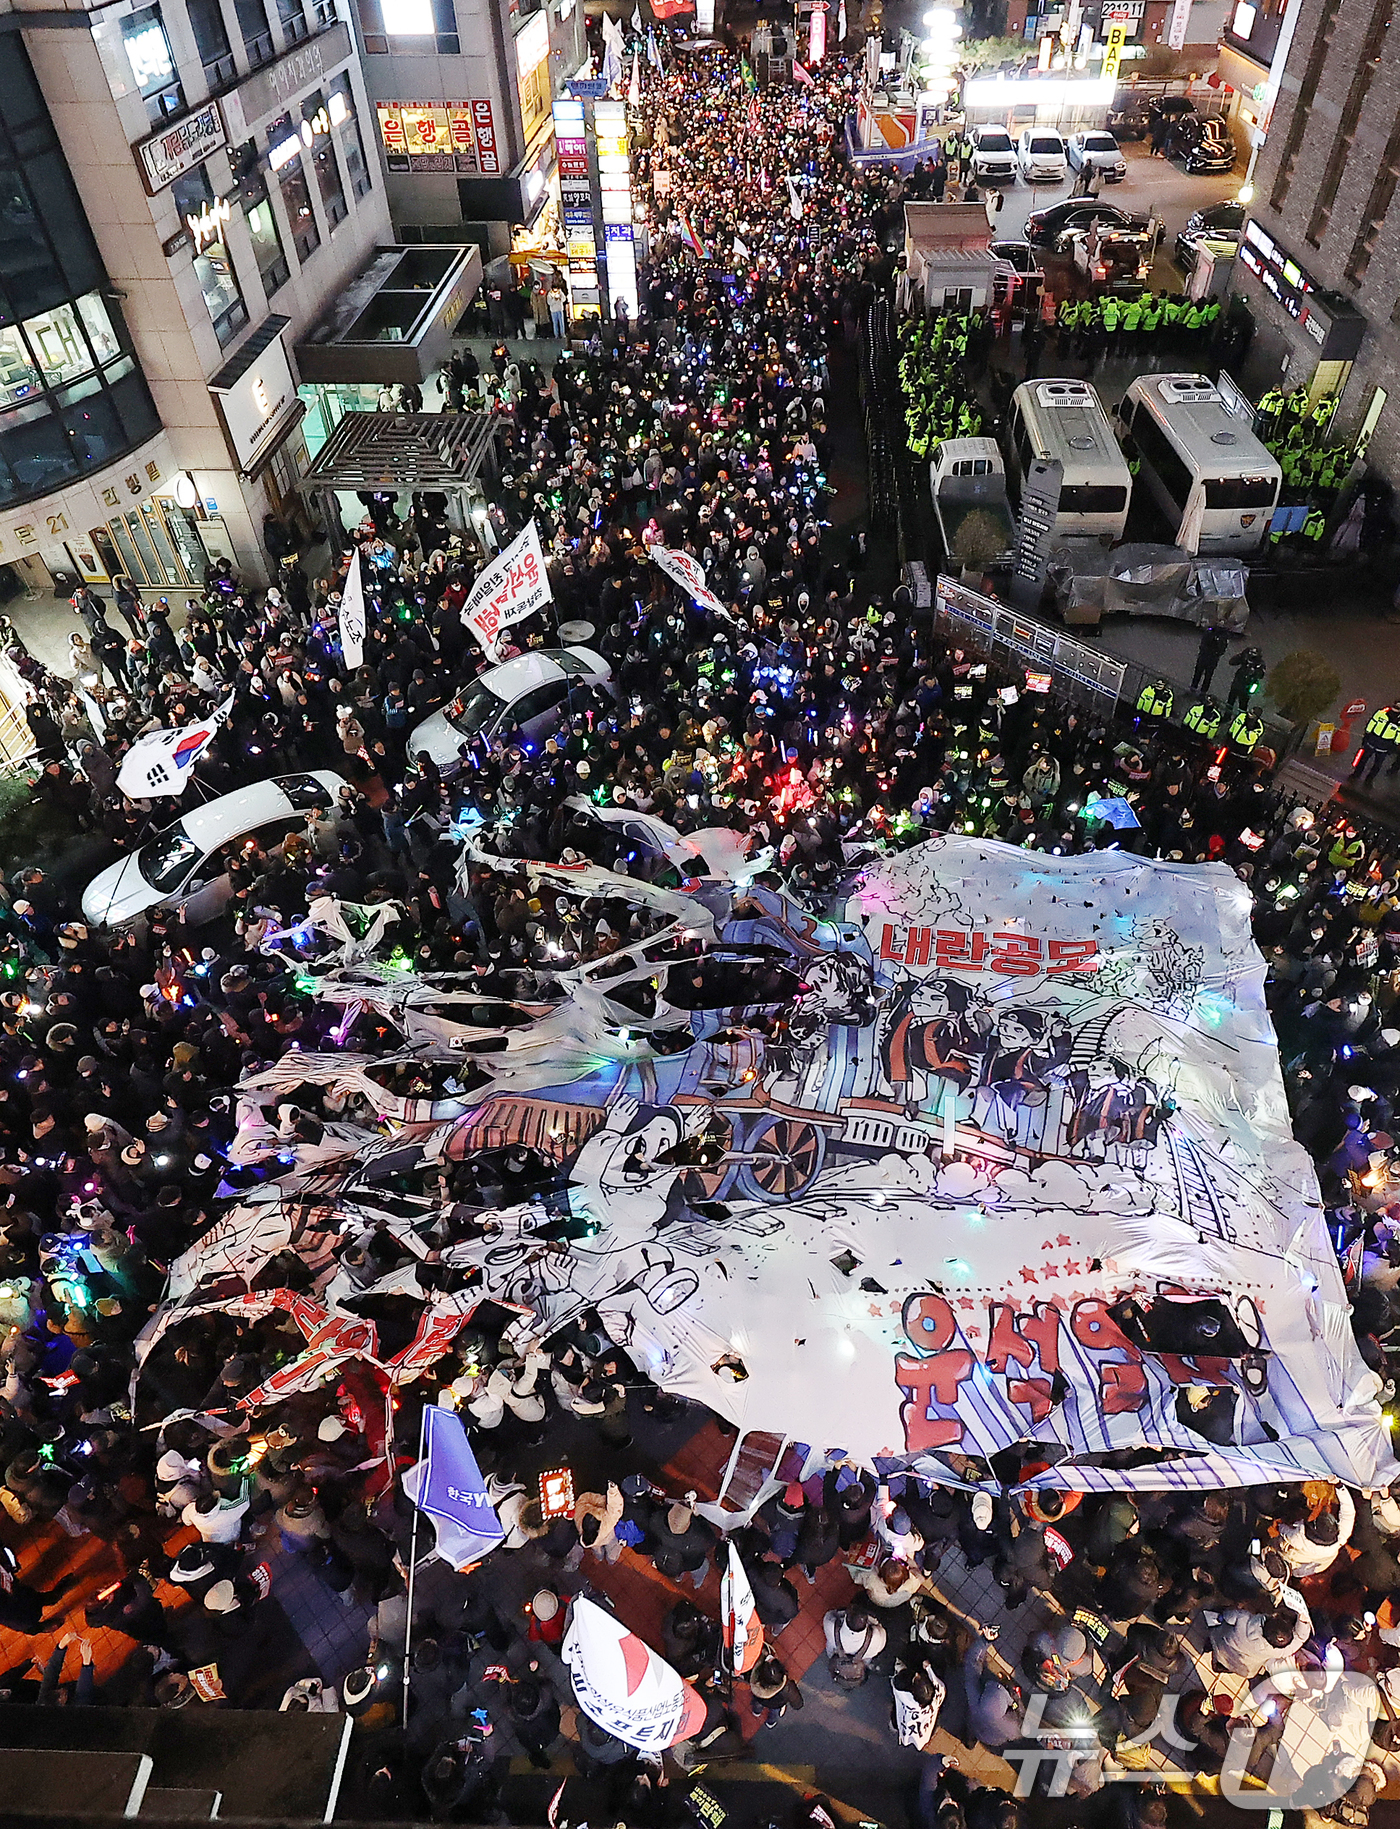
(1348, 850)
(1381, 738)
(1203, 718)
(1246, 728)
(1155, 700)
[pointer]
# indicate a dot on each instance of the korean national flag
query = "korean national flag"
(446, 1483)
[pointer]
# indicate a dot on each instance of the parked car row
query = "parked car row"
(1043, 155)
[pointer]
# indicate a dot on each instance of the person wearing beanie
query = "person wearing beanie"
(683, 1544)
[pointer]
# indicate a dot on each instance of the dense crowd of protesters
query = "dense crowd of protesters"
(826, 716)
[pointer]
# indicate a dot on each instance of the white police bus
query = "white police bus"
(1213, 480)
(1065, 420)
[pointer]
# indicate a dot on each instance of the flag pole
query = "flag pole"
(412, 1572)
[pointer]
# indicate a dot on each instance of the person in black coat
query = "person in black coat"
(534, 1715)
(818, 1540)
(849, 1504)
(775, 1598)
(22, 1607)
(683, 1544)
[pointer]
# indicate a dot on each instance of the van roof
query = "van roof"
(1065, 419)
(1194, 410)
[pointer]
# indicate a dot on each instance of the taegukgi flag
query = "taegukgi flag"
(446, 1483)
(162, 761)
(513, 586)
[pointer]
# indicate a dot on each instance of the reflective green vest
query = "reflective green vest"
(1315, 525)
(1151, 313)
(1245, 730)
(1132, 314)
(1384, 724)
(1203, 718)
(1111, 310)
(1155, 700)
(1344, 855)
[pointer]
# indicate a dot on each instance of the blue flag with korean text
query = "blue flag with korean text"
(446, 1483)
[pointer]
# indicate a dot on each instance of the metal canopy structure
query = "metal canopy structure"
(398, 451)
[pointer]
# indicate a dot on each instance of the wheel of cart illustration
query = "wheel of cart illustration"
(713, 1183)
(787, 1157)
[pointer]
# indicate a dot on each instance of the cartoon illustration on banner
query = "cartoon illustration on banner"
(997, 1154)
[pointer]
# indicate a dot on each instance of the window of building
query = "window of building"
(341, 108)
(59, 346)
(71, 395)
(292, 15)
(257, 34)
(317, 133)
(1345, 138)
(152, 65)
(384, 21)
(211, 41)
(204, 215)
(267, 244)
(532, 72)
(284, 155)
(19, 377)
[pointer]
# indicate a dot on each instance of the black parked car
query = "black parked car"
(1202, 145)
(1133, 116)
(1044, 226)
(1220, 221)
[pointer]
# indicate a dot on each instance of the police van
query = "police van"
(1214, 481)
(1065, 420)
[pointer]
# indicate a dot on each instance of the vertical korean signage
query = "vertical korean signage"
(615, 188)
(438, 137)
(576, 203)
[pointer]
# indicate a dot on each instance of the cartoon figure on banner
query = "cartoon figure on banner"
(1107, 1104)
(933, 1031)
(626, 1177)
(1014, 1085)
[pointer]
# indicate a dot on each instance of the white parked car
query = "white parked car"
(521, 701)
(1100, 152)
(993, 156)
(1042, 157)
(169, 870)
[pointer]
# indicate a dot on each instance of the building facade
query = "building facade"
(188, 185)
(462, 93)
(1320, 260)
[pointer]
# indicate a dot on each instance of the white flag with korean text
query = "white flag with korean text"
(352, 615)
(512, 587)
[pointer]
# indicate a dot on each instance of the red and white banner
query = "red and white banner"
(622, 1685)
(352, 615)
(437, 1329)
(738, 1613)
(513, 586)
(690, 575)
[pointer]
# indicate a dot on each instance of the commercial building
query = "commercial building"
(1254, 44)
(462, 92)
(186, 187)
(1321, 253)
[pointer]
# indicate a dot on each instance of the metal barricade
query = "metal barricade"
(1082, 673)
